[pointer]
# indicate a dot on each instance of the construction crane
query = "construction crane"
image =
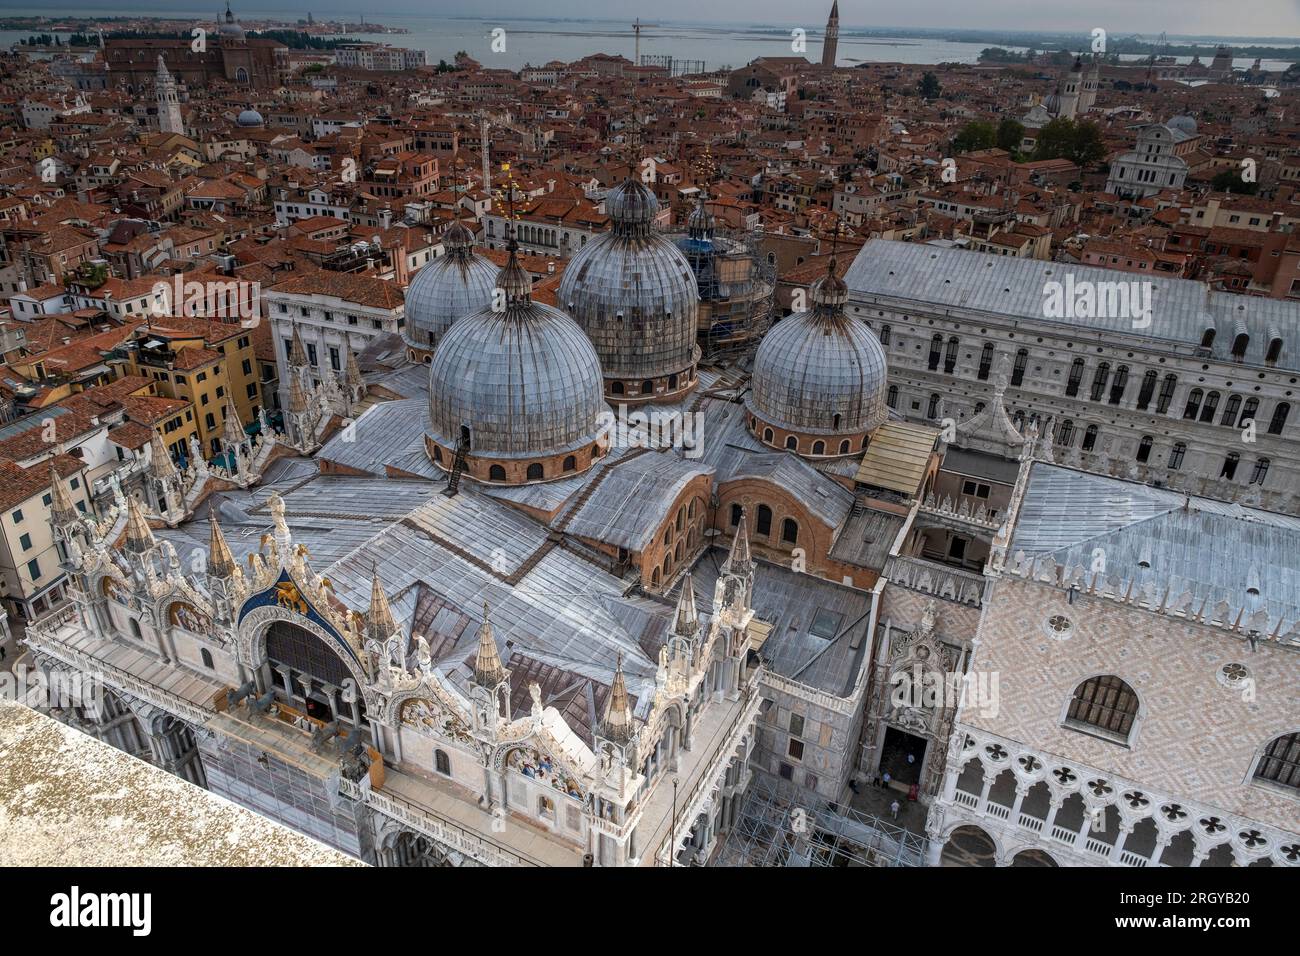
(636, 29)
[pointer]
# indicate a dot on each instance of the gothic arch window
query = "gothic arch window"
(1259, 472)
(206, 655)
(1090, 438)
(1210, 406)
(1193, 404)
(1167, 388)
(535, 471)
(1278, 421)
(791, 443)
(1018, 369)
(790, 531)
(570, 462)
(764, 524)
(1176, 456)
(1279, 764)
(241, 75)
(1103, 704)
(496, 473)
(1144, 449)
(442, 763)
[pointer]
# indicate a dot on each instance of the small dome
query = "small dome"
(525, 381)
(1184, 123)
(632, 291)
(820, 371)
(250, 118)
(230, 26)
(631, 206)
(699, 224)
(449, 287)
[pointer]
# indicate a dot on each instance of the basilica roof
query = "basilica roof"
(451, 286)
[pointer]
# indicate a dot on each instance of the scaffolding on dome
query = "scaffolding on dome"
(737, 290)
(776, 827)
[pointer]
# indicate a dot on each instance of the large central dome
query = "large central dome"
(633, 293)
(447, 288)
(521, 385)
(819, 382)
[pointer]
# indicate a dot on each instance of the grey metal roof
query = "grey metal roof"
(386, 433)
(1207, 547)
(824, 497)
(865, 539)
(630, 496)
(976, 464)
(1014, 288)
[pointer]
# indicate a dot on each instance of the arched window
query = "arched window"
(1076, 376)
(950, 357)
(764, 525)
(207, 658)
(1018, 369)
(535, 471)
(819, 448)
(986, 361)
(791, 443)
(496, 473)
(736, 512)
(835, 421)
(1230, 410)
(616, 388)
(892, 400)
(647, 387)
(1248, 411)
(767, 435)
(1167, 388)
(844, 447)
(932, 409)
(1176, 456)
(1193, 404)
(1099, 379)
(442, 763)
(1144, 449)
(1278, 421)
(1258, 473)
(1117, 387)
(1239, 345)
(936, 351)
(1147, 390)
(884, 334)
(1090, 438)
(1280, 762)
(1065, 434)
(1207, 337)
(672, 382)
(1210, 406)
(1104, 704)
(789, 531)
(437, 453)
(1229, 469)
(570, 462)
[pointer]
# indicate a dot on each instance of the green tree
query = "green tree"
(1010, 134)
(1062, 138)
(929, 86)
(973, 136)
(1230, 181)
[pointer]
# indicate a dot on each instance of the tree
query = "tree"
(1062, 138)
(973, 136)
(929, 86)
(1010, 135)
(1230, 181)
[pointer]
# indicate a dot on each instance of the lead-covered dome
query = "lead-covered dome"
(249, 118)
(445, 289)
(819, 383)
(632, 291)
(521, 385)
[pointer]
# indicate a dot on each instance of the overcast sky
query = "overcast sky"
(1118, 17)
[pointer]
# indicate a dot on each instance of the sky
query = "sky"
(1260, 18)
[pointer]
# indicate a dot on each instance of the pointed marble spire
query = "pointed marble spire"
(380, 625)
(739, 561)
(139, 537)
(617, 725)
(233, 430)
(488, 669)
(62, 510)
(161, 465)
(297, 353)
(686, 622)
(351, 371)
(297, 399)
(221, 564)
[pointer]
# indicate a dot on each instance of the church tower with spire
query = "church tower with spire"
(169, 104)
(832, 40)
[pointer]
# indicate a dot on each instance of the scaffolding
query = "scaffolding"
(673, 66)
(778, 826)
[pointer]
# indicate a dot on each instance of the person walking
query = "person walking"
(893, 809)
(885, 780)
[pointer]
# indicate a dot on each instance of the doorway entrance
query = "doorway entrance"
(902, 756)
